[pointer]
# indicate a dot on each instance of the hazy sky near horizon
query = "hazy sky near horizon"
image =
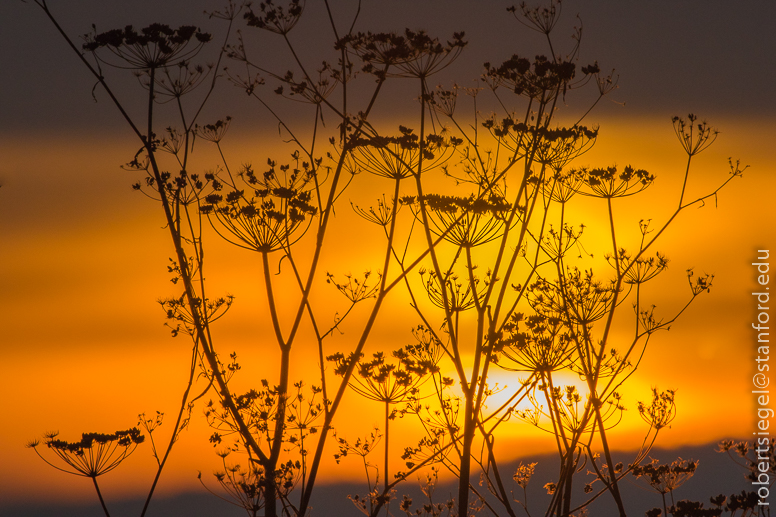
(77, 334)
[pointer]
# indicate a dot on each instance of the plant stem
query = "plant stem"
(99, 494)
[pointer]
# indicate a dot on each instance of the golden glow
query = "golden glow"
(84, 347)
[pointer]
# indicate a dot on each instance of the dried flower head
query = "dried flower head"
(443, 101)
(700, 283)
(563, 185)
(459, 293)
(398, 157)
(382, 215)
(413, 54)
(611, 183)
(534, 344)
(270, 215)
(309, 90)
(465, 221)
(541, 19)
(275, 18)
(666, 478)
(661, 411)
(642, 269)
(523, 474)
(175, 81)
(155, 46)
(541, 79)
(213, 132)
(95, 454)
(355, 289)
(578, 299)
(694, 137)
(392, 383)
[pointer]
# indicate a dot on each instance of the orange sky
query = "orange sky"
(83, 258)
(85, 348)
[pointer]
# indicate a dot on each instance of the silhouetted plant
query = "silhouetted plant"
(363, 447)
(666, 478)
(391, 384)
(94, 455)
(429, 507)
(494, 258)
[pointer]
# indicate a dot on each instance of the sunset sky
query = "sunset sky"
(83, 257)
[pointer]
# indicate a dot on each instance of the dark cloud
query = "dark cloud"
(711, 57)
